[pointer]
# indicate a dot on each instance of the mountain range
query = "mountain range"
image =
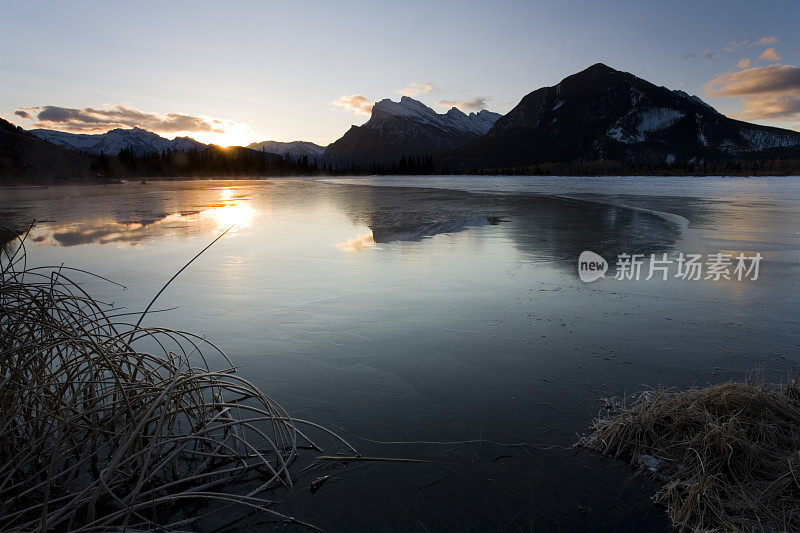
(140, 141)
(600, 119)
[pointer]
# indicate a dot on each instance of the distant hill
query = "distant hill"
(25, 158)
(406, 128)
(296, 149)
(114, 141)
(602, 114)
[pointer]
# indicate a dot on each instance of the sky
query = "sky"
(236, 72)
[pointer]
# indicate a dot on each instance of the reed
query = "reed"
(97, 434)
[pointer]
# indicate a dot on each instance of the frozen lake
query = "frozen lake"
(443, 319)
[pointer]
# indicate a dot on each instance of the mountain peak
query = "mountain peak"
(600, 67)
(407, 106)
(407, 127)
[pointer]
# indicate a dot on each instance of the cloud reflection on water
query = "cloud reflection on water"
(359, 242)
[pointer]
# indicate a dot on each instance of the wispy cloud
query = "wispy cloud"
(473, 104)
(770, 54)
(355, 103)
(417, 88)
(744, 63)
(741, 45)
(690, 56)
(709, 54)
(767, 92)
(766, 40)
(91, 120)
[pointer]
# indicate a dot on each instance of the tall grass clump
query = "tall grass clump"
(728, 455)
(96, 434)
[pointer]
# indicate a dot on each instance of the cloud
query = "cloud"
(744, 63)
(769, 55)
(417, 88)
(355, 103)
(473, 104)
(766, 40)
(708, 54)
(768, 92)
(741, 45)
(89, 119)
(689, 57)
(734, 45)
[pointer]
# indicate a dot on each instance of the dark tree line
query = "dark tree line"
(237, 161)
(211, 162)
(754, 167)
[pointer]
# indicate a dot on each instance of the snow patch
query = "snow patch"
(761, 140)
(658, 118)
(648, 461)
(728, 146)
(646, 121)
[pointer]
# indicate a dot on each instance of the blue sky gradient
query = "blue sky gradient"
(272, 70)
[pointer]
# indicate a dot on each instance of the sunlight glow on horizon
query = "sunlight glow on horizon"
(234, 134)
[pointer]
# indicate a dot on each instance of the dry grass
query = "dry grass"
(729, 454)
(96, 434)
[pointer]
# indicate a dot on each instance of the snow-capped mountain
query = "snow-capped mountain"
(604, 114)
(295, 149)
(114, 141)
(405, 128)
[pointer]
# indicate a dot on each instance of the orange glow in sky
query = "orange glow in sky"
(229, 134)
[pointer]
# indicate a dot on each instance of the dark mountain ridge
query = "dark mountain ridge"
(602, 114)
(25, 158)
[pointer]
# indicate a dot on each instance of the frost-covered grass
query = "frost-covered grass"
(728, 455)
(97, 434)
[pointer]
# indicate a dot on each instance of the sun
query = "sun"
(226, 133)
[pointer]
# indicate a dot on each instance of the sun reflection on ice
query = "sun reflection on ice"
(232, 211)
